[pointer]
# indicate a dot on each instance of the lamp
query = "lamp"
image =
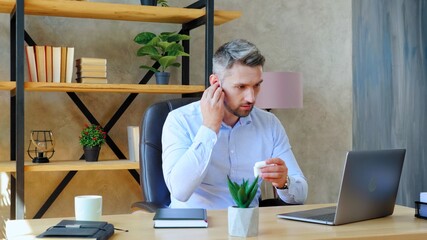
(280, 90)
(41, 146)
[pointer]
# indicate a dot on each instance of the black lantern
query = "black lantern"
(41, 146)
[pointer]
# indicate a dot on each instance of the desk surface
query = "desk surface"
(401, 225)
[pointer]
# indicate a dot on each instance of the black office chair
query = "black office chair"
(151, 175)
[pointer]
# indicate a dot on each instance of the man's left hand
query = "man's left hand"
(276, 173)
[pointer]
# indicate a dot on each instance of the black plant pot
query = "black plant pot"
(149, 2)
(162, 77)
(91, 153)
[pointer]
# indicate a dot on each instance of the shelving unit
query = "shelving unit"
(8, 86)
(6, 6)
(190, 17)
(8, 167)
(77, 165)
(112, 88)
(71, 165)
(116, 11)
(105, 88)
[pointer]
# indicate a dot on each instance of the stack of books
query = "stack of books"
(91, 70)
(50, 64)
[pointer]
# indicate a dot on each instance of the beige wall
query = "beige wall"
(312, 37)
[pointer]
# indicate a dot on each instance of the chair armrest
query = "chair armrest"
(273, 202)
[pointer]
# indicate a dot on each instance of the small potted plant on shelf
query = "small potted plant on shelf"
(164, 49)
(163, 3)
(243, 219)
(91, 138)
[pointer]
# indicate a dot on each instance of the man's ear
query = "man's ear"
(213, 78)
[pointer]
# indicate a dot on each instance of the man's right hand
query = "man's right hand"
(212, 107)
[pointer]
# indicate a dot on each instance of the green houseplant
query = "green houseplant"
(164, 48)
(243, 194)
(243, 219)
(91, 138)
(163, 3)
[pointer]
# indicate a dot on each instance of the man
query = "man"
(224, 134)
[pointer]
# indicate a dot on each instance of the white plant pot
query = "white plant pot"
(243, 222)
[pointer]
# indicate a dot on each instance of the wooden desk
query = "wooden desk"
(401, 225)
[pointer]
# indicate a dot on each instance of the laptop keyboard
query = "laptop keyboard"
(324, 217)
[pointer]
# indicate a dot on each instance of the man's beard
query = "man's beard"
(236, 111)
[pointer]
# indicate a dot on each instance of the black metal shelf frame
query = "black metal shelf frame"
(18, 37)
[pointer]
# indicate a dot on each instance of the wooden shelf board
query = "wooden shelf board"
(116, 11)
(80, 165)
(6, 6)
(7, 166)
(113, 88)
(7, 85)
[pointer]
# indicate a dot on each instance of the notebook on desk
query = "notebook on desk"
(180, 218)
(368, 189)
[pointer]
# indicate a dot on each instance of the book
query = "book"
(48, 50)
(94, 74)
(63, 63)
(133, 143)
(41, 63)
(69, 66)
(80, 229)
(180, 218)
(31, 63)
(56, 64)
(91, 68)
(91, 80)
(91, 61)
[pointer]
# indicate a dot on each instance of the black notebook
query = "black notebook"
(79, 229)
(180, 218)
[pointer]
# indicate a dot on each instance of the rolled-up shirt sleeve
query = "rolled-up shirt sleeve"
(297, 191)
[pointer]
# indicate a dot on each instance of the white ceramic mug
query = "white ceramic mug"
(88, 207)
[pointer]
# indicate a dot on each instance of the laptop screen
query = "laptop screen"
(369, 186)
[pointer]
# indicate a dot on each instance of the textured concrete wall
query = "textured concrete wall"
(390, 69)
(312, 37)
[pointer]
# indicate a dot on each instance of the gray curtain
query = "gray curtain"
(390, 85)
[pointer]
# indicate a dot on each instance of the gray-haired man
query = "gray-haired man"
(224, 134)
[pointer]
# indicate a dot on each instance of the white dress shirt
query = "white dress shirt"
(196, 161)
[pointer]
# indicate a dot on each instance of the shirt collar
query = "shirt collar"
(245, 120)
(241, 122)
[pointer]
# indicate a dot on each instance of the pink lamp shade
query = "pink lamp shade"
(280, 90)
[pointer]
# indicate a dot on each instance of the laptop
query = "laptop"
(368, 189)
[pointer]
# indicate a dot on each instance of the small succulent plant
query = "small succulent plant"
(244, 193)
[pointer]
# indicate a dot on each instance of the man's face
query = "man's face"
(241, 85)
